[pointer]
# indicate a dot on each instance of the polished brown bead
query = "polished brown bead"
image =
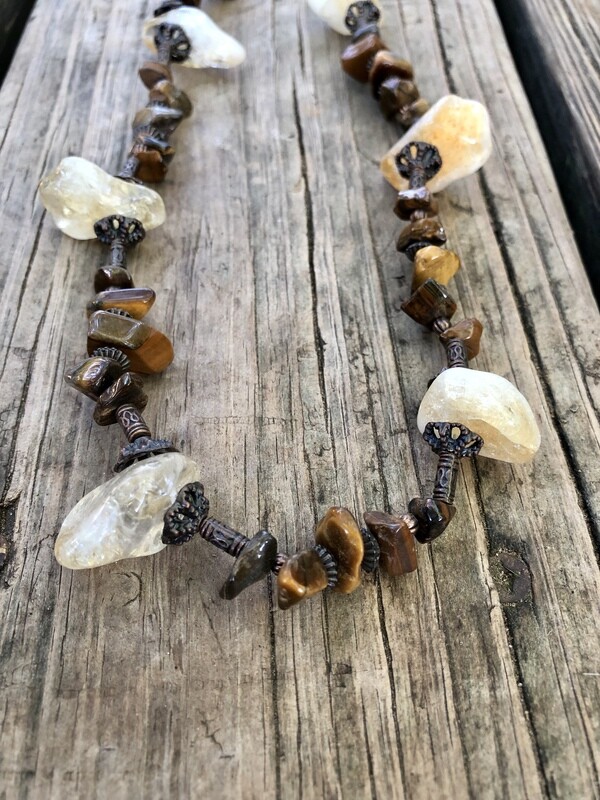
(358, 56)
(397, 544)
(427, 230)
(112, 277)
(434, 517)
(136, 302)
(125, 391)
(94, 375)
(468, 331)
(430, 301)
(300, 577)
(386, 65)
(166, 91)
(396, 94)
(339, 533)
(151, 72)
(148, 350)
(434, 262)
(411, 200)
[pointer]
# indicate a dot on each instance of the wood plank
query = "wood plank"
(556, 46)
(296, 385)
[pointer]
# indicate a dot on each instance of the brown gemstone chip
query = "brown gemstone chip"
(386, 65)
(338, 531)
(358, 56)
(468, 331)
(434, 262)
(148, 350)
(112, 277)
(300, 577)
(137, 302)
(428, 230)
(430, 301)
(396, 94)
(434, 517)
(397, 544)
(94, 375)
(411, 200)
(151, 72)
(126, 391)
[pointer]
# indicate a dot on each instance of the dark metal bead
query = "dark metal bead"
(256, 559)
(140, 449)
(171, 42)
(183, 518)
(117, 228)
(329, 563)
(418, 162)
(362, 18)
(115, 354)
(370, 560)
(452, 437)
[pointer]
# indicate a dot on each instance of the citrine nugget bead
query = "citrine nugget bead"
(338, 531)
(301, 576)
(149, 351)
(357, 57)
(136, 302)
(396, 542)
(94, 375)
(112, 277)
(428, 303)
(434, 262)
(468, 331)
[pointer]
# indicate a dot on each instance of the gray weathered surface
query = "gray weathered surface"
(556, 44)
(296, 386)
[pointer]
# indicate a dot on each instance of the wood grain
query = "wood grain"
(296, 385)
(556, 46)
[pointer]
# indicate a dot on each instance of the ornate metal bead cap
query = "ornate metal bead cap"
(117, 228)
(362, 18)
(183, 518)
(418, 162)
(171, 42)
(142, 448)
(452, 437)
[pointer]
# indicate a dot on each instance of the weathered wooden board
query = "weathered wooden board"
(556, 45)
(296, 385)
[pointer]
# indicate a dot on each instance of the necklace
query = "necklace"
(156, 498)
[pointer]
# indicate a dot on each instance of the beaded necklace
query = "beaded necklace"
(156, 498)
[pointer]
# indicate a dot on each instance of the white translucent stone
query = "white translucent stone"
(78, 193)
(210, 46)
(123, 517)
(488, 405)
(459, 128)
(333, 12)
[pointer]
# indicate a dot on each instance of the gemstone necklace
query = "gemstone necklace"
(156, 498)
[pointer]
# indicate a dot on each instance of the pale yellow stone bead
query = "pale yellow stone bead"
(78, 193)
(123, 517)
(210, 46)
(333, 12)
(459, 128)
(434, 262)
(488, 405)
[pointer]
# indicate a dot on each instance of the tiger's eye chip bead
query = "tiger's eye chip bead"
(301, 576)
(396, 542)
(429, 302)
(339, 533)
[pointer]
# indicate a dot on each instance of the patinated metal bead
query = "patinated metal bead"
(338, 531)
(396, 542)
(430, 301)
(301, 576)
(434, 517)
(254, 563)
